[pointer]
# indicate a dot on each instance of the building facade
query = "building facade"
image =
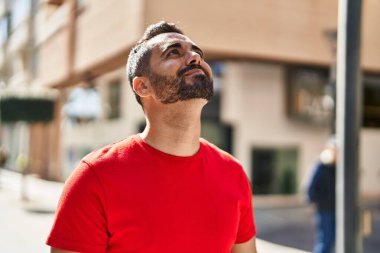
(273, 62)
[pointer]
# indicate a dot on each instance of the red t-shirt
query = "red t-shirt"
(130, 197)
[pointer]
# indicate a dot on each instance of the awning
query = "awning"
(27, 104)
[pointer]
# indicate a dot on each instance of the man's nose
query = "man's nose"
(193, 58)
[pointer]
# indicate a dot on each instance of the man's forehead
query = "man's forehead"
(168, 38)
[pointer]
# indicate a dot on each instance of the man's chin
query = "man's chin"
(194, 101)
(202, 99)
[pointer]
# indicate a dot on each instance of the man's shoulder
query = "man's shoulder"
(227, 167)
(220, 154)
(112, 152)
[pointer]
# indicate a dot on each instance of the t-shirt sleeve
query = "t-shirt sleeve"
(80, 223)
(247, 227)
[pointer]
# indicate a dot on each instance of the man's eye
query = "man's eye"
(200, 53)
(173, 52)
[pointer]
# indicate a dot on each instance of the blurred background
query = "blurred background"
(64, 92)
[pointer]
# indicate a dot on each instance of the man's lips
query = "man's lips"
(194, 72)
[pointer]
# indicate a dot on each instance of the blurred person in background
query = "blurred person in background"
(3, 159)
(321, 192)
(3, 156)
(165, 189)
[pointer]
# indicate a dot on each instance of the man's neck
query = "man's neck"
(175, 130)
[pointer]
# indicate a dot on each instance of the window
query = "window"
(114, 100)
(19, 11)
(371, 95)
(274, 170)
(80, 3)
(80, 6)
(83, 104)
(218, 133)
(5, 28)
(310, 97)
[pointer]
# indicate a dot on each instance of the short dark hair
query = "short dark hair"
(139, 57)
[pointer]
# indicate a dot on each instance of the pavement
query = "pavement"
(288, 221)
(283, 225)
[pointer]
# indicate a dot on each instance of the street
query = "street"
(24, 225)
(293, 227)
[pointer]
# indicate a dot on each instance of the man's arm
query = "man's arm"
(246, 247)
(54, 250)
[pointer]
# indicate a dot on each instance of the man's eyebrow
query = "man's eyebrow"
(174, 45)
(178, 45)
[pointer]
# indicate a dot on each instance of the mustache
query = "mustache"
(190, 67)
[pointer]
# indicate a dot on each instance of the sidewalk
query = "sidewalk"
(25, 224)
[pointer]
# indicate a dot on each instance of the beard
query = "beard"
(172, 89)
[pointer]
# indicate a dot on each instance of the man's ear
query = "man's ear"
(141, 86)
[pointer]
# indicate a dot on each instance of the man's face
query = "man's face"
(177, 69)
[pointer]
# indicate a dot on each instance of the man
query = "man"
(164, 190)
(321, 192)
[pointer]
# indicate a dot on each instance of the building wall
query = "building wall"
(52, 38)
(254, 101)
(274, 30)
(369, 166)
(269, 30)
(102, 34)
(371, 34)
(38, 149)
(105, 29)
